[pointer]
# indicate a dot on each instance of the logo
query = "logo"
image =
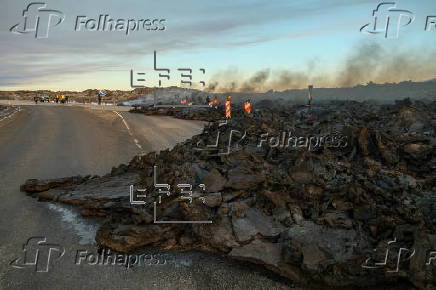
(430, 23)
(37, 19)
(395, 258)
(387, 19)
(37, 253)
(107, 23)
(222, 148)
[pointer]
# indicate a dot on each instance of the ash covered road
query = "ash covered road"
(46, 141)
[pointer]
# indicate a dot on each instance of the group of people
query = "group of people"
(45, 98)
(61, 98)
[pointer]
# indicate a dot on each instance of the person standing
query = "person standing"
(100, 96)
(309, 96)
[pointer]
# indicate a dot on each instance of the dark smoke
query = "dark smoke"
(289, 79)
(368, 62)
(230, 87)
(212, 86)
(372, 62)
(256, 82)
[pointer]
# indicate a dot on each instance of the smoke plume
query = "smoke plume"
(368, 62)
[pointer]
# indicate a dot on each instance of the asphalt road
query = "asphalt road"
(47, 141)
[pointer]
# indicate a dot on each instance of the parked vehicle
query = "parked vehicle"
(43, 98)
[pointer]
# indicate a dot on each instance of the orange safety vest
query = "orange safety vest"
(247, 107)
(228, 106)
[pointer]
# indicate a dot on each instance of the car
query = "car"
(43, 98)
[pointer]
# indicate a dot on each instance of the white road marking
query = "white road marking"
(17, 109)
(128, 130)
(124, 121)
(137, 143)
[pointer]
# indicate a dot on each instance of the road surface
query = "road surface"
(46, 141)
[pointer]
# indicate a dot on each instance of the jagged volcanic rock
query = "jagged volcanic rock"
(313, 214)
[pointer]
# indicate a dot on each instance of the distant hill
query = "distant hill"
(383, 93)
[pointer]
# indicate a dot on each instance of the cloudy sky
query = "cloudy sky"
(243, 45)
